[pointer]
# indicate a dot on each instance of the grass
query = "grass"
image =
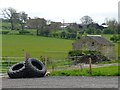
(107, 36)
(16, 45)
(103, 71)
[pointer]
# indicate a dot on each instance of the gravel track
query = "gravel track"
(62, 82)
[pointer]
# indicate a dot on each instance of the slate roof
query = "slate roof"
(101, 40)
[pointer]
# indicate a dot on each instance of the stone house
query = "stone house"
(95, 43)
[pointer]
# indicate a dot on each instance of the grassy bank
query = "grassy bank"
(103, 71)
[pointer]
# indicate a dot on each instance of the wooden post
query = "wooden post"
(80, 63)
(27, 56)
(46, 61)
(53, 66)
(8, 62)
(90, 65)
(81, 67)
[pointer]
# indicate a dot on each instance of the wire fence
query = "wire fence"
(50, 64)
(7, 62)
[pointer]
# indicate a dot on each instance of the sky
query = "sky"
(67, 10)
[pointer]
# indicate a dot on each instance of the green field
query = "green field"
(36, 46)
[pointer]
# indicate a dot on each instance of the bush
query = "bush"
(81, 53)
(115, 38)
(6, 27)
(22, 32)
(79, 56)
(75, 53)
(4, 32)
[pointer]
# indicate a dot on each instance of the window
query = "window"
(93, 43)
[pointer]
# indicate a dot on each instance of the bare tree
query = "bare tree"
(23, 19)
(86, 20)
(10, 14)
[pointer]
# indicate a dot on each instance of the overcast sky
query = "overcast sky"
(69, 10)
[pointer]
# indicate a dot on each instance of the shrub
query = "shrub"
(79, 56)
(75, 53)
(115, 38)
(81, 53)
(4, 32)
(88, 52)
(22, 32)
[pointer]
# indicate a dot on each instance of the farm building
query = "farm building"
(95, 43)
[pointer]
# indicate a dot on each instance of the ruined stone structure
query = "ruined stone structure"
(95, 43)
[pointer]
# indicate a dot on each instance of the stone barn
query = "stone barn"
(95, 43)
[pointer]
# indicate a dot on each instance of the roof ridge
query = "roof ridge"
(101, 40)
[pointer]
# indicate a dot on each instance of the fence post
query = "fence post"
(52, 65)
(81, 66)
(90, 65)
(46, 61)
(27, 56)
(8, 62)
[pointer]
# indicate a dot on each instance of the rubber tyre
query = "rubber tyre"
(17, 71)
(35, 68)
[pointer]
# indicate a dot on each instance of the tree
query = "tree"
(56, 34)
(73, 28)
(115, 38)
(86, 20)
(118, 28)
(22, 19)
(63, 34)
(45, 31)
(108, 31)
(90, 31)
(37, 23)
(12, 15)
(98, 31)
(72, 35)
(112, 25)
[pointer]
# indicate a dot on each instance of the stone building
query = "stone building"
(95, 43)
